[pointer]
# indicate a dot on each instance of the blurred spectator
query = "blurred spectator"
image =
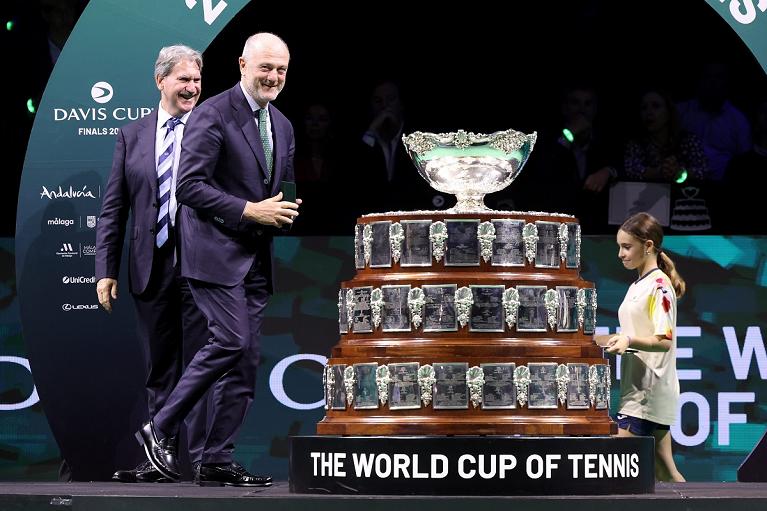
(751, 164)
(320, 175)
(662, 151)
(316, 152)
(60, 17)
(722, 128)
(384, 176)
(742, 173)
(571, 168)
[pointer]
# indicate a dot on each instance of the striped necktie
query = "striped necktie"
(164, 180)
(261, 112)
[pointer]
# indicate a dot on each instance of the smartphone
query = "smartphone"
(288, 189)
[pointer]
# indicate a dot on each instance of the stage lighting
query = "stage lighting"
(682, 177)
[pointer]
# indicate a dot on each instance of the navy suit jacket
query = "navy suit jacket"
(223, 166)
(132, 187)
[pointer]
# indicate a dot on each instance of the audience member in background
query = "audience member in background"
(722, 128)
(384, 177)
(571, 169)
(317, 154)
(743, 171)
(662, 151)
(318, 168)
(751, 164)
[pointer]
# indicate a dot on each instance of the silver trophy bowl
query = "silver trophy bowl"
(469, 165)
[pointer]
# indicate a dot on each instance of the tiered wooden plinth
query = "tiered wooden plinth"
(471, 347)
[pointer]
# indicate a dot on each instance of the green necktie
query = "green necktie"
(265, 142)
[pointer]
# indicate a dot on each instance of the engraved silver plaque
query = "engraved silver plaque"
(343, 316)
(573, 259)
(365, 389)
(380, 250)
(362, 313)
(602, 395)
(499, 392)
(395, 316)
(590, 312)
(578, 387)
(416, 249)
(531, 314)
(439, 308)
(450, 390)
(462, 243)
(547, 248)
(509, 245)
(567, 311)
(359, 247)
(338, 397)
(404, 391)
(487, 309)
(543, 385)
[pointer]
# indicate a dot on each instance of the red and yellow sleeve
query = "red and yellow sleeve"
(661, 309)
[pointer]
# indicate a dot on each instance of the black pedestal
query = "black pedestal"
(472, 465)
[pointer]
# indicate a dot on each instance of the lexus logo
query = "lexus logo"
(101, 92)
(66, 307)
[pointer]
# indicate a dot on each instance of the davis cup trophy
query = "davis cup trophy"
(469, 165)
(465, 331)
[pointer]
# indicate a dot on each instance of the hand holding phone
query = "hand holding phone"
(288, 189)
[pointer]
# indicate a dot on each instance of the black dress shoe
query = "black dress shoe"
(230, 475)
(144, 473)
(161, 453)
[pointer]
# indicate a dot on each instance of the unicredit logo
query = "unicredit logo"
(101, 92)
(78, 280)
(78, 307)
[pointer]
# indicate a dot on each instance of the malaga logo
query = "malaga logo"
(101, 92)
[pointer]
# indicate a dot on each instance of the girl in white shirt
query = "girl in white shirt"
(649, 383)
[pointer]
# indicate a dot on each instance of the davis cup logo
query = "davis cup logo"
(101, 92)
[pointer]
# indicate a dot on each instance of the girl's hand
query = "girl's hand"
(618, 344)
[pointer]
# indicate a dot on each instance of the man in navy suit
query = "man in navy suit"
(169, 323)
(238, 151)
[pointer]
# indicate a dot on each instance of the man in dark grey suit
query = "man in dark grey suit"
(237, 153)
(142, 182)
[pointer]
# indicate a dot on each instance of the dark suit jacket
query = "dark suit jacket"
(132, 186)
(223, 166)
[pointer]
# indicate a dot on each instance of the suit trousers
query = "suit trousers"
(226, 365)
(172, 329)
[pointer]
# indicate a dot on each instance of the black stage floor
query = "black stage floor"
(189, 497)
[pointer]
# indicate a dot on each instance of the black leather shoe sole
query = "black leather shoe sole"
(124, 476)
(208, 483)
(133, 476)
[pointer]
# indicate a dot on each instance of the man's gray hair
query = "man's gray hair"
(171, 55)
